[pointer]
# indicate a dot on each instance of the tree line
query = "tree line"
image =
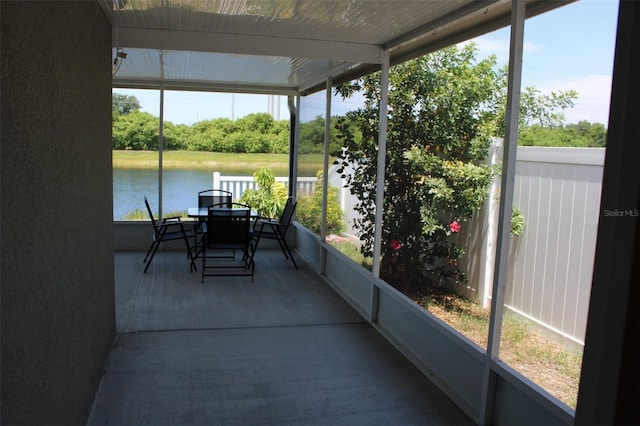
(134, 129)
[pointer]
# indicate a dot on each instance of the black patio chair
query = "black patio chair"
(210, 197)
(227, 229)
(167, 229)
(206, 198)
(276, 229)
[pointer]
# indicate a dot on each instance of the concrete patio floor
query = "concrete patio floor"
(282, 350)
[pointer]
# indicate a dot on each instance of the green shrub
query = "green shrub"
(233, 142)
(269, 198)
(517, 222)
(256, 142)
(139, 214)
(309, 210)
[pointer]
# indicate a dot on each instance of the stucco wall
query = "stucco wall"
(56, 251)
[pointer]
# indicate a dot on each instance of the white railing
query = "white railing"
(238, 184)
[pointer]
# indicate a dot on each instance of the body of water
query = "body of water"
(180, 189)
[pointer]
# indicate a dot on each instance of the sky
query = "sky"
(569, 48)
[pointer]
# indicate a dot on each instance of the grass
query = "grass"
(223, 162)
(543, 360)
(139, 214)
(546, 362)
(352, 251)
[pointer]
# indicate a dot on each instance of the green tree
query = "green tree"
(582, 134)
(175, 137)
(539, 109)
(124, 104)
(443, 108)
(136, 130)
(254, 133)
(596, 133)
(279, 142)
(208, 135)
(311, 137)
(258, 122)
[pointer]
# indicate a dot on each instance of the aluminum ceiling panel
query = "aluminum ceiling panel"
(199, 70)
(284, 45)
(355, 21)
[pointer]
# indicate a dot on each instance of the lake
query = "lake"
(180, 188)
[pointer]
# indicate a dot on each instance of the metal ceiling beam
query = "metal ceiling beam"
(247, 45)
(137, 83)
(448, 19)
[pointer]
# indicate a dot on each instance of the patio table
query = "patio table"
(200, 213)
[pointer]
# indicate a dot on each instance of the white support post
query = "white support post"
(216, 180)
(294, 114)
(160, 150)
(382, 156)
(518, 9)
(325, 176)
(492, 210)
(325, 165)
(160, 140)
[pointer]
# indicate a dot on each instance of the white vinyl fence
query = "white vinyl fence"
(549, 281)
(551, 263)
(558, 191)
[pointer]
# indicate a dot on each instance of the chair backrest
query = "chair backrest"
(153, 219)
(228, 225)
(287, 214)
(212, 197)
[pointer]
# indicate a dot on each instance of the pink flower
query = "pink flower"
(395, 245)
(454, 226)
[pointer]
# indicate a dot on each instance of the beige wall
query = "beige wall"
(56, 251)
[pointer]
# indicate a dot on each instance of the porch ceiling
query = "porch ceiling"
(285, 46)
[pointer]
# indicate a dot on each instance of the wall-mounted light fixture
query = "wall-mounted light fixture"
(117, 61)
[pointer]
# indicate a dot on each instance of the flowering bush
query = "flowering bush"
(440, 111)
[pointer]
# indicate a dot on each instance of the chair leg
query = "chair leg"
(252, 265)
(255, 247)
(284, 251)
(283, 246)
(286, 246)
(247, 258)
(155, 245)
(282, 242)
(192, 265)
(148, 251)
(204, 257)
